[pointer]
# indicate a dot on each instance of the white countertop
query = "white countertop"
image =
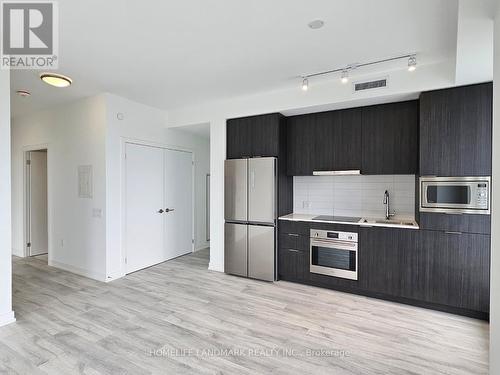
(364, 222)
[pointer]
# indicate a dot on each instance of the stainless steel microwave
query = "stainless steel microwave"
(455, 195)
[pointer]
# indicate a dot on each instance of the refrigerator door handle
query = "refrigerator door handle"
(252, 179)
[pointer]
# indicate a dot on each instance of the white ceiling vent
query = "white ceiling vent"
(378, 83)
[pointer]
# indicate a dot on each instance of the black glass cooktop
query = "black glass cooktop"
(346, 219)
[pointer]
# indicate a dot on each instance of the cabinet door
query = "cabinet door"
(293, 264)
(459, 266)
(300, 145)
(326, 141)
(455, 131)
(379, 261)
(344, 140)
(238, 140)
(265, 135)
(390, 138)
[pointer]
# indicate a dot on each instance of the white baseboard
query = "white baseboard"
(215, 267)
(79, 271)
(7, 318)
(18, 252)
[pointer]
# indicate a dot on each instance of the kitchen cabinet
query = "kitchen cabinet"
(467, 223)
(326, 141)
(254, 136)
(390, 138)
(390, 263)
(458, 269)
(293, 264)
(455, 131)
(437, 269)
(238, 143)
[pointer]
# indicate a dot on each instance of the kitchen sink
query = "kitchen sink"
(393, 222)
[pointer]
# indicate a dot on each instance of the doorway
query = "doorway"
(158, 205)
(36, 227)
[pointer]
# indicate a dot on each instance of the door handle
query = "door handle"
(169, 209)
(160, 211)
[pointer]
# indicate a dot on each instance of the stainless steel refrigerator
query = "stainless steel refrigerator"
(250, 214)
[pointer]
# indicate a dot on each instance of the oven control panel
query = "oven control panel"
(334, 235)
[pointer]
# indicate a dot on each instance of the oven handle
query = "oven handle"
(343, 245)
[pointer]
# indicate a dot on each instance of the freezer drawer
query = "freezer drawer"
(262, 190)
(261, 252)
(236, 189)
(235, 249)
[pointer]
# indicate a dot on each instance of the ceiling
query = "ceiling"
(171, 54)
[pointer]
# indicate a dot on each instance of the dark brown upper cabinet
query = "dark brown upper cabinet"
(390, 138)
(455, 131)
(326, 141)
(254, 136)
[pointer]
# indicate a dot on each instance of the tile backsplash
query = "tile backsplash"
(354, 195)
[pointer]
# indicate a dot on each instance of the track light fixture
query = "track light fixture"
(344, 78)
(305, 84)
(412, 63)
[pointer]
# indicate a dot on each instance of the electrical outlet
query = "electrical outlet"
(306, 204)
(97, 212)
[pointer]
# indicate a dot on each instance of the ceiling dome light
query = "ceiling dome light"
(23, 93)
(57, 80)
(344, 78)
(305, 84)
(316, 24)
(412, 63)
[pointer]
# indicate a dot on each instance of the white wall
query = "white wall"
(354, 195)
(495, 217)
(87, 132)
(146, 124)
(74, 134)
(6, 313)
(323, 95)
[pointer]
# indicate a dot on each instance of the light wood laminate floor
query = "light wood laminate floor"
(178, 318)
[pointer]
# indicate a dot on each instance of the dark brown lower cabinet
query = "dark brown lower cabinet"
(447, 269)
(293, 264)
(458, 269)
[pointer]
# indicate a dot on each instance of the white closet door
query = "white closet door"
(178, 202)
(145, 236)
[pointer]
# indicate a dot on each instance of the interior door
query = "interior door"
(178, 203)
(145, 234)
(37, 203)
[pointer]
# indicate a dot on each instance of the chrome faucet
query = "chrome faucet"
(388, 213)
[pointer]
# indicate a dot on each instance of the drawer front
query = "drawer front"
(293, 241)
(300, 228)
(293, 265)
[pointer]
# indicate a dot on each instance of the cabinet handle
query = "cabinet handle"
(451, 232)
(293, 234)
(294, 250)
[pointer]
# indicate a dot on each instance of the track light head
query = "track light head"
(344, 78)
(305, 84)
(412, 63)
